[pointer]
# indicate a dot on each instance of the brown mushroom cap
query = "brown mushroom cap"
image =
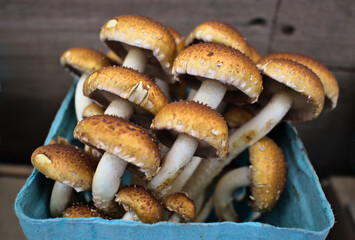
(179, 39)
(142, 202)
(196, 120)
(255, 56)
(221, 63)
(141, 32)
(65, 163)
(120, 138)
(114, 58)
(81, 60)
(328, 80)
(110, 82)
(268, 173)
(79, 210)
(299, 82)
(93, 109)
(181, 204)
(236, 117)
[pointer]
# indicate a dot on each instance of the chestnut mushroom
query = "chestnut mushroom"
(80, 210)
(181, 206)
(266, 176)
(69, 166)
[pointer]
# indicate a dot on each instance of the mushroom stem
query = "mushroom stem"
(164, 86)
(107, 180)
(223, 195)
(120, 108)
(241, 139)
(176, 218)
(130, 216)
(174, 161)
(60, 198)
(135, 59)
(211, 92)
(203, 214)
(81, 101)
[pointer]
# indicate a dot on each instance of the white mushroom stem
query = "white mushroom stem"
(135, 59)
(174, 161)
(176, 218)
(164, 86)
(241, 139)
(223, 194)
(211, 92)
(206, 210)
(80, 100)
(120, 108)
(60, 198)
(130, 216)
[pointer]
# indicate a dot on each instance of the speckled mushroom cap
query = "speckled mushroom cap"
(109, 83)
(236, 117)
(141, 32)
(255, 56)
(268, 174)
(81, 60)
(221, 63)
(181, 204)
(328, 80)
(79, 210)
(92, 109)
(196, 120)
(65, 163)
(142, 202)
(120, 138)
(299, 82)
(179, 39)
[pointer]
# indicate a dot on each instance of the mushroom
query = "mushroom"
(201, 131)
(140, 204)
(122, 143)
(70, 167)
(295, 94)
(182, 207)
(80, 210)
(81, 62)
(219, 68)
(266, 176)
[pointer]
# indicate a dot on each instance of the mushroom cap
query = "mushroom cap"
(181, 204)
(196, 120)
(122, 139)
(221, 63)
(114, 58)
(93, 109)
(80, 210)
(236, 117)
(108, 83)
(179, 39)
(255, 56)
(330, 84)
(268, 174)
(81, 60)
(299, 82)
(141, 32)
(65, 163)
(142, 202)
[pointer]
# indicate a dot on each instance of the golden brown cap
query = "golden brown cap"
(179, 39)
(299, 82)
(219, 62)
(93, 109)
(120, 138)
(141, 32)
(126, 83)
(142, 202)
(81, 60)
(237, 116)
(65, 163)
(328, 80)
(255, 56)
(80, 210)
(268, 173)
(181, 204)
(114, 58)
(196, 120)
(59, 139)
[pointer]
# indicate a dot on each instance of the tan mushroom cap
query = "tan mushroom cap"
(179, 39)
(301, 83)
(80, 210)
(114, 58)
(142, 202)
(115, 81)
(255, 56)
(268, 173)
(92, 110)
(141, 32)
(81, 60)
(181, 204)
(120, 138)
(65, 163)
(236, 117)
(221, 63)
(328, 80)
(196, 120)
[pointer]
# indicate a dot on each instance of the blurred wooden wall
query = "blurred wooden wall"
(33, 35)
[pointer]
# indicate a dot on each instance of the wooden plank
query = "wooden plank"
(323, 29)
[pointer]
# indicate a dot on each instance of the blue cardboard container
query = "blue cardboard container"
(302, 212)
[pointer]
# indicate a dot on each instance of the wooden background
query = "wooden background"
(33, 35)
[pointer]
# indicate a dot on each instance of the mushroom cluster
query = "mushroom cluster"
(134, 116)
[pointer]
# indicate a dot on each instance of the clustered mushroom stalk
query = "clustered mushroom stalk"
(60, 198)
(81, 101)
